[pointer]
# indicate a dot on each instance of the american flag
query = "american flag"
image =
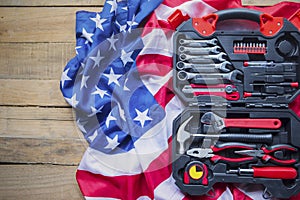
(120, 86)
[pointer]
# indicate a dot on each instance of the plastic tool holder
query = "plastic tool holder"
(236, 84)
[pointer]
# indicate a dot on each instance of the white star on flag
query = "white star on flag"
(87, 35)
(112, 42)
(125, 88)
(113, 4)
(121, 112)
(112, 77)
(83, 81)
(81, 125)
(126, 57)
(65, 77)
(97, 59)
(112, 143)
(142, 117)
(72, 101)
(100, 92)
(109, 118)
(131, 23)
(98, 21)
(76, 49)
(95, 111)
(92, 137)
(122, 28)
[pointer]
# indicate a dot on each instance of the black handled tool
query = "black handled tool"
(239, 137)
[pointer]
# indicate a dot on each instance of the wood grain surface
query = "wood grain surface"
(41, 146)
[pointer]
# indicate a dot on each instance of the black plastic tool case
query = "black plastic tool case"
(235, 74)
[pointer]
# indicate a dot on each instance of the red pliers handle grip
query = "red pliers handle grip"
(281, 147)
(232, 146)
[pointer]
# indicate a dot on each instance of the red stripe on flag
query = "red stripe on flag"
(165, 94)
(174, 3)
(219, 188)
(127, 186)
(154, 64)
(238, 194)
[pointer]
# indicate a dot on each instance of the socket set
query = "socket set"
(232, 83)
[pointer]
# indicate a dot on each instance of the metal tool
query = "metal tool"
(267, 63)
(198, 43)
(235, 76)
(195, 172)
(249, 47)
(183, 135)
(211, 153)
(287, 84)
(203, 58)
(267, 172)
(238, 137)
(218, 123)
(267, 154)
(204, 68)
(199, 51)
(228, 92)
(257, 94)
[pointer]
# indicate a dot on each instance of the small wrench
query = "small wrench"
(204, 68)
(204, 50)
(198, 43)
(207, 78)
(204, 58)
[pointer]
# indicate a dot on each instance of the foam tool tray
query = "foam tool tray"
(236, 84)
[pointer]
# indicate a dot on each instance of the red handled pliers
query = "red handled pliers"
(227, 148)
(267, 154)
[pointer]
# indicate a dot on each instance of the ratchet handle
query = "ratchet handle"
(252, 123)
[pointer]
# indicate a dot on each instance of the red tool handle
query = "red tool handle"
(280, 147)
(218, 158)
(252, 123)
(275, 172)
(234, 96)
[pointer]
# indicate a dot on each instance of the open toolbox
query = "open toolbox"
(237, 126)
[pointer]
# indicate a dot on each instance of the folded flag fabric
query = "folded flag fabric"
(120, 86)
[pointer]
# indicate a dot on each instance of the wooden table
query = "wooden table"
(40, 146)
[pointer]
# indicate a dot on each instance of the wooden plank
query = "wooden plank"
(39, 129)
(31, 92)
(39, 24)
(51, 2)
(36, 182)
(34, 60)
(263, 3)
(30, 150)
(36, 113)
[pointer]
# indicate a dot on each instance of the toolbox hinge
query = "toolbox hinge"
(267, 105)
(211, 104)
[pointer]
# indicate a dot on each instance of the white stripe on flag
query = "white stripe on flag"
(154, 83)
(226, 195)
(254, 191)
(193, 8)
(168, 190)
(156, 42)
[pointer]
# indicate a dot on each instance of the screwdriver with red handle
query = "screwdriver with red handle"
(267, 172)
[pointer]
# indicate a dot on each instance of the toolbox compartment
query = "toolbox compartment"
(236, 86)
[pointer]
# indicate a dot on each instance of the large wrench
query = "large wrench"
(214, 78)
(204, 68)
(203, 58)
(198, 43)
(199, 51)
(218, 123)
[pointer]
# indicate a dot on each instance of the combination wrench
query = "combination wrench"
(203, 58)
(198, 43)
(199, 51)
(204, 68)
